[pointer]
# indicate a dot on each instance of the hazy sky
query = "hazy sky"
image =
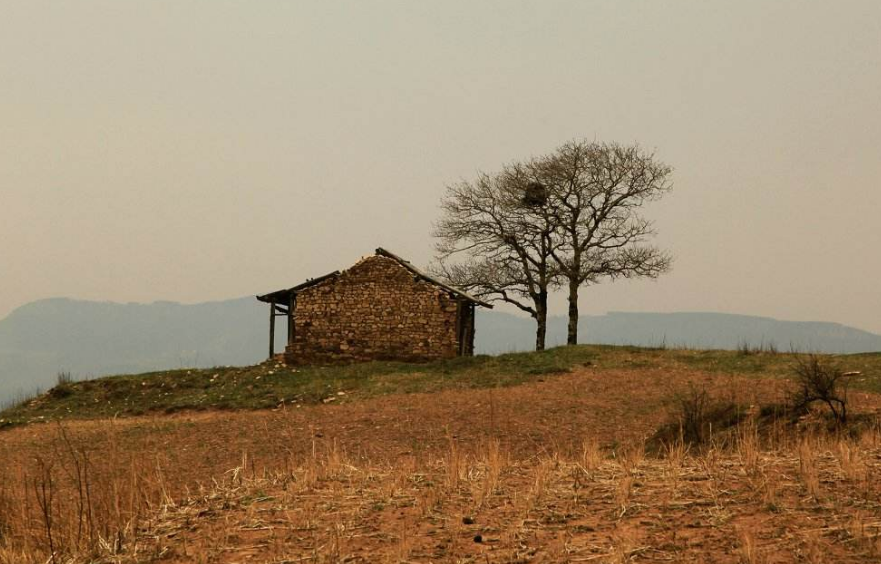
(189, 151)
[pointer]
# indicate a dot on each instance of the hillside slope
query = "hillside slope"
(526, 457)
(270, 385)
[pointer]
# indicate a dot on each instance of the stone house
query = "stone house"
(381, 308)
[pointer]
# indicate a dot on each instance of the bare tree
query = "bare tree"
(504, 230)
(816, 381)
(572, 216)
(597, 190)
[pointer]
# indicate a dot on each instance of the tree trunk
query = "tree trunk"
(572, 333)
(541, 320)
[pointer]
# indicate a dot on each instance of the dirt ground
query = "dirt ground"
(545, 417)
(551, 471)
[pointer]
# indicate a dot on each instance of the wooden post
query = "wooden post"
(467, 329)
(460, 327)
(292, 330)
(472, 310)
(271, 330)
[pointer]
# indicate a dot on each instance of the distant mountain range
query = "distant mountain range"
(90, 339)
(501, 332)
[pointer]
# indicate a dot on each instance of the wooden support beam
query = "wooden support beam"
(271, 330)
(467, 311)
(471, 315)
(291, 328)
(460, 327)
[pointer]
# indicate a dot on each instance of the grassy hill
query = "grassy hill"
(270, 385)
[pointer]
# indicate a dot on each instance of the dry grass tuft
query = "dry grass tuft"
(72, 501)
(748, 550)
(591, 455)
(748, 448)
(807, 466)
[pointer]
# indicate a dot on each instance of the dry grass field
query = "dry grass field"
(563, 466)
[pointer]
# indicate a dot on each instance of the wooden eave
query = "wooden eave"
(284, 296)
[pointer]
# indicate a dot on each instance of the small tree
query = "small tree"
(597, 190)
(569, 216)
(818, 382)
(505, 233)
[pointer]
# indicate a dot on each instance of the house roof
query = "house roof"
(420, 274)
(284, 296)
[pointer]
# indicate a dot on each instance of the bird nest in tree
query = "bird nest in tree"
(535, 194)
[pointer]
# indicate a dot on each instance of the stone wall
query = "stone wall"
(375, 310)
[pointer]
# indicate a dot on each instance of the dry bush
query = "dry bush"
(698, 417)
(816, 381)
(693, 406)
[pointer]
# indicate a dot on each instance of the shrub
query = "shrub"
(818, 382)
(63, 386)
(700, 416)
(692, 411)
(744, 348)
